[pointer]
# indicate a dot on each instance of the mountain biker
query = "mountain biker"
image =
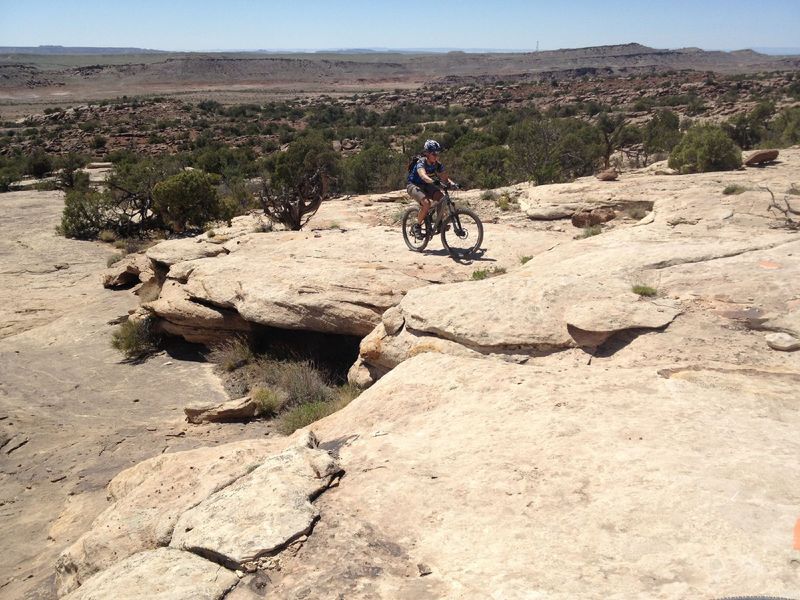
(422, 178)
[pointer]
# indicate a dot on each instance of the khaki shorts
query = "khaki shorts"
(421, 193)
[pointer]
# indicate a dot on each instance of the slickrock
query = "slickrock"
(148, 499)
(702, 256)
(644, 482)
(261, 512)
(327, 281)
(162, 574)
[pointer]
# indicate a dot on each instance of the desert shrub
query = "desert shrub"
(523, 260)
(591, 231)
(69, 175)
(644, 290)
(309, 154)
(11, 169)
(135, 339)
(784, 129)
(303, 383)
(553, 150)
(85, 213)
(750, 129)
(481, 274)
(662, 132)
(489, 195)
(232, 354)
(487, 167)
(374, 169)
(705, 148)
(734, 189)
(98, 142)
(38, 164)
(114, 259)
(504, 202)
(305, 414)
(188, 199)
(268, 401)
(106, 235)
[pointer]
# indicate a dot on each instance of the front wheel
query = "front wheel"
(462, 233)
(415, 242)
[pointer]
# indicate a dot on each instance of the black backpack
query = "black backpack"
(414, 160)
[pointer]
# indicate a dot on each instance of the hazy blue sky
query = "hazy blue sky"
(514, 24)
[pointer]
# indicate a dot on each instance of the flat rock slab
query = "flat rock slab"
(514, 481)
(242, 409)
(328, 281)
(162, 574)
(148, 500)
(261, 512)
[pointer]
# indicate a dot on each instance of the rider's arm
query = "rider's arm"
(445, 178)
(424, 176)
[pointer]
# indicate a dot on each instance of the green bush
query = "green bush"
(734, 189)
(591, 231)
(705, 148)
(188, 199)
(38, 164)
(644, 290)
(662, 133)
(374, 169)
(135, 339)
(85, 214)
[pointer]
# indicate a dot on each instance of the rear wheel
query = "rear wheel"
(462, 233)
(414, 242)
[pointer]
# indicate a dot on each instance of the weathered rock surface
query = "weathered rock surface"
(131, 269)
(326, 281)
(593, 217)
(645, 482)
(162, 574)
(259, 513)
(87, 415)
(760, 157)
(148, 500)
(240, 409)
(703, 256)
(608, 175)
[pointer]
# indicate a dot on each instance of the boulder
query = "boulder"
(260, 513)
(595, 217)
(760, 157)
(129, 270)
(162, 574)
(551, 212)
(147, 501)
(608, 175)
(242, 409)
(783, 342)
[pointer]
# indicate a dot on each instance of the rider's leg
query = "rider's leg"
(424, 207)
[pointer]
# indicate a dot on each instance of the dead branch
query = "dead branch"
(294, 207)
(785, 208)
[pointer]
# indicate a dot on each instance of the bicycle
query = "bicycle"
(460, 228)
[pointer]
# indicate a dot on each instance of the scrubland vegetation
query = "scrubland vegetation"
(360, 149)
